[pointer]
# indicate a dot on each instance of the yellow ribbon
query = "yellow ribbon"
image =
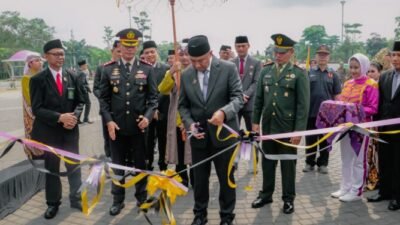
(86, 208)
(232, 135)
(165, 183)
(128, 183)
(167, 197)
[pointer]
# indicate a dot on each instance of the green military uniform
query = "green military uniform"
(281, 105)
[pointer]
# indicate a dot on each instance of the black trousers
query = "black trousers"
(389, 166)
(288, 171)
(181, 161)
(106, 138)
(68, 142)
(157, 131)
(227, 195)
(323, 158)
(247, 115)
(120, 149)
(87, 106)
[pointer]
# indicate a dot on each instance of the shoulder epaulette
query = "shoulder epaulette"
(109, 63)
(268, 64)
(297, 66)
(145, 62)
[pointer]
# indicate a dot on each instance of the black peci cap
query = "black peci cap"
(52, 45)
(198, 46)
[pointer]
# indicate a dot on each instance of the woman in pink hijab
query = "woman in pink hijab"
(363, 91)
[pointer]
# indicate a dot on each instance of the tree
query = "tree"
(18, 33)
(108, 36)
(352, 31)
(143, 24)
(397, 29)
(163, 48)
(375, 43)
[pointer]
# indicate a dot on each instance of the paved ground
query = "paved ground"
(313, 204)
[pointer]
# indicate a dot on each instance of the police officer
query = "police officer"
(128, 99)
(282, 101)
(324, 85)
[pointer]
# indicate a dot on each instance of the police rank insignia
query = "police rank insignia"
(115, 72)
(140, 75)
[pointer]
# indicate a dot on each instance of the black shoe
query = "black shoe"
(288, 207)
(377, 198)
(259, 202)
(76, 205)
(80, 122)
(116, 208)
(226, 222)
(394, 205)
(200, 220)
(51, 212)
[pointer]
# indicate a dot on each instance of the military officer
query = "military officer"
(281, 105)
(128, 99)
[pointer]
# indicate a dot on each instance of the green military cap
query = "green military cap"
(283, 43)
(129, 37)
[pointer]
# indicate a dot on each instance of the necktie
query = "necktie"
(59, 84)
(128, 67)
(205, 84)
(394, 84)
(241, 68)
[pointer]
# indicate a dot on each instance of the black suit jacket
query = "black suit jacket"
(388, 107)
(48, 105)
(224, 93)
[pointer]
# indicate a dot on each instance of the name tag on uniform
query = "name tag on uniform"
(268, 76)
(286, 94)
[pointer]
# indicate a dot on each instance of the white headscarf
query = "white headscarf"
(29, 59)
(364, 62)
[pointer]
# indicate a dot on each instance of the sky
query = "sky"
(220, 20)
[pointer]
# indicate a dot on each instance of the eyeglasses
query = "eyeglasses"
(56, 54)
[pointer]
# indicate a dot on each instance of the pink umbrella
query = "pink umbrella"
(20, 56)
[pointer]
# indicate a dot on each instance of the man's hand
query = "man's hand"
(256, 128)
(195, 132)
(156, 115)
(111, 127)
(246, 98)
(68, 120)
(295, 140)
(143, 122)
(218, 118)
(175, 67)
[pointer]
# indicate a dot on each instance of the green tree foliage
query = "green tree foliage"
(163, 48)
(78, 50)
(18, 33)
(374, 44)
